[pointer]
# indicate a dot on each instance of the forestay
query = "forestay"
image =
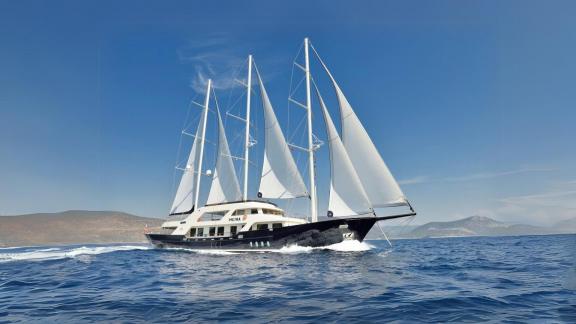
(347, 195)
(280, 176)
(225, 186)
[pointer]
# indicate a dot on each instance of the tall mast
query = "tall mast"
(199, 171)
(247, 143)
(313, 209)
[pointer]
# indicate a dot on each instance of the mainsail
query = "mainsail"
(184, 200)
(347, 195)
(380, 185)
(225, 187)
(280, 176)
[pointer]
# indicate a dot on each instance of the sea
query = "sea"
(475, 279)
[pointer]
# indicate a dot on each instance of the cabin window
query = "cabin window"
(241, 212)
(272, 212)
(262, 226)
(232, 230)
(200, 232)
(212, 216)
(277, 225)
(220, 231)
(193, 231)
(212, 231)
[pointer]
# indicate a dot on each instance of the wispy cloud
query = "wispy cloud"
(552, 199)
(544, 208)
(472, 177)
(222, 59)
(490, 175)
(415, 180)
(212, 58)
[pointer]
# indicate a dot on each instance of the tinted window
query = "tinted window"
(200, 232)
(271, 212)
(221, 231)
(261, 226)
(277, 225)
(193, 231)
(254, 211)
(214, 216)
(239, 212)
(232, 230)
(212, 231)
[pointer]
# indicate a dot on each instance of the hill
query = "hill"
(73, 227)
(476, 226)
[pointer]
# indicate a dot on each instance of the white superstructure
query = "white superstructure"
(224, 220)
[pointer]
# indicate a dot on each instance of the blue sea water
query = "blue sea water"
(481, 279)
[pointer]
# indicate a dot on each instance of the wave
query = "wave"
(63, 253)
(344, 246)
(350, 246)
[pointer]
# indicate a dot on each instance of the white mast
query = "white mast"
(199, 171)
(313, 210)
(247, 143)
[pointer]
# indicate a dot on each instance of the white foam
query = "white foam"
(350, 246)
(295, 249)
(344, 246)
(63, 253)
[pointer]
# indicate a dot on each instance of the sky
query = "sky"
(471, 103)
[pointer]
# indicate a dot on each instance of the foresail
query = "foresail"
(225, 187)
(347, 195)
(380, 185)
(280, 176)
(184, 200)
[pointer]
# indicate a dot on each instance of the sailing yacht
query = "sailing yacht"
(360, 182)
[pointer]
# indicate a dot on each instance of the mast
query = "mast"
(247, 142)
(313, 209)
(199, 171)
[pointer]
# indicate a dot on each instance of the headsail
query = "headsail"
(184, 200)
(225, 185)
(280, 176)
(380, 185)
(347, 195)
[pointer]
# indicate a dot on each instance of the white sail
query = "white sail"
(347, 195)
(184, 200)
(225, 187)
(280, 176)
(380, 185)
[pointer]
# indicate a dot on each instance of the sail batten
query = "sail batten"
(280, 177)
(380, 185)
(347, 195)
(225, 186)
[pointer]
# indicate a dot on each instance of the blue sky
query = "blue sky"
(471, 103)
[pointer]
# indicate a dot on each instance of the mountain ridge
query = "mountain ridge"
(73, 227)
(480, 226)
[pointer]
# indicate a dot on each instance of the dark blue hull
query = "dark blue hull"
(315, 234)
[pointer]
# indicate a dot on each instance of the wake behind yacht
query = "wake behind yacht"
(360, 182)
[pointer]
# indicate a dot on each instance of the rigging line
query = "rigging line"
(234, 105)
(385, 236)
(234, 76)
(297, 128)
(295, 89)
(290, 88)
